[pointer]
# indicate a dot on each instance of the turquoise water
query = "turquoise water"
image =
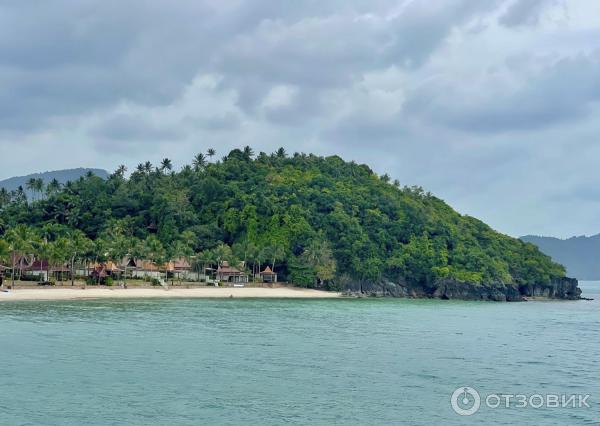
(272, 362)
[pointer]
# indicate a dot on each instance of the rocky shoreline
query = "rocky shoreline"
(560, 288)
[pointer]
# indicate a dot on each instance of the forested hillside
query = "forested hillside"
(320, 221)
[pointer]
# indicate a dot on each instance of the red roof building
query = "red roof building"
(268, 276)
(230, 274)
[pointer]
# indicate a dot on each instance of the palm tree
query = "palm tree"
(43, 251)
(4, 254)
(148, 167)
(155, 251)
(4, 197)
(244, 250)
(275, 252)
(199, 162)
(39, 187)
(22, 241)
(31, 185)
(19, 196)
(202, 259)
(119, 248)
(58, 254)
(281, 153)
(166, 164)
(248, 152)
(211, 153)
(78, 245)
(53, 187)
(253, 253)
(120, 172)
(180, 250)
(262, 256)
(221, 252)
(319, 255)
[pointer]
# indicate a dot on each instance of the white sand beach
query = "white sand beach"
(77, 293)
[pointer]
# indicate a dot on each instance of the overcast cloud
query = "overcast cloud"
(493, 105)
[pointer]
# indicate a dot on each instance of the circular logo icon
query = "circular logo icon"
(465, 401)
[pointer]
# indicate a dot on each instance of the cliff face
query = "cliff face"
(560, 288)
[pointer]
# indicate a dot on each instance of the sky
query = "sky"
(492, 105)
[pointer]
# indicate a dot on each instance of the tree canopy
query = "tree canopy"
(312, 218)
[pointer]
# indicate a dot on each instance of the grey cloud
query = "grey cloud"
(466, 98)
(337, 49)
(524, 12)
(563, 91)
(127, 127)
(227, 121)
(61, 58)
(375, 132)
(424, 25)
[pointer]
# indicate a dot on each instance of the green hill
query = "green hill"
(321, 222)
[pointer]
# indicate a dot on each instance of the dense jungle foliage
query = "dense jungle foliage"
(318, 221)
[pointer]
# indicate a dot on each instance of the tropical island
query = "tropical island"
(314, 222)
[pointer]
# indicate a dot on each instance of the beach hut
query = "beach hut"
(141, 268)
(230, 274)
(40, 267)
(181, 268)
(268, 276)
(101, 271)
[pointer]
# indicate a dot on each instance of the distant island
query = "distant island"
(32, 182)
(316, 222)
(580, 255)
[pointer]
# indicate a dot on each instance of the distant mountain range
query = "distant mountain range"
(63, 176)
(580, 255)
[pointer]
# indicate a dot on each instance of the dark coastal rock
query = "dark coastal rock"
(452, 289)
(384, 288)
(563, 288)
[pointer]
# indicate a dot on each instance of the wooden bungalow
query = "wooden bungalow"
(101, 271)
(40, 268)
(268, 276)
(140, 268)
(230, 274)
(181, 268)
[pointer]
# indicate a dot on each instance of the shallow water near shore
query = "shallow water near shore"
(269, 362)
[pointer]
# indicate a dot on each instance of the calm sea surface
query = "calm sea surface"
(272, 362)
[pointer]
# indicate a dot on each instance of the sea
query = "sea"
(308, 362)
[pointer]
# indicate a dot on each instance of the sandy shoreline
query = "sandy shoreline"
(76, 293)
